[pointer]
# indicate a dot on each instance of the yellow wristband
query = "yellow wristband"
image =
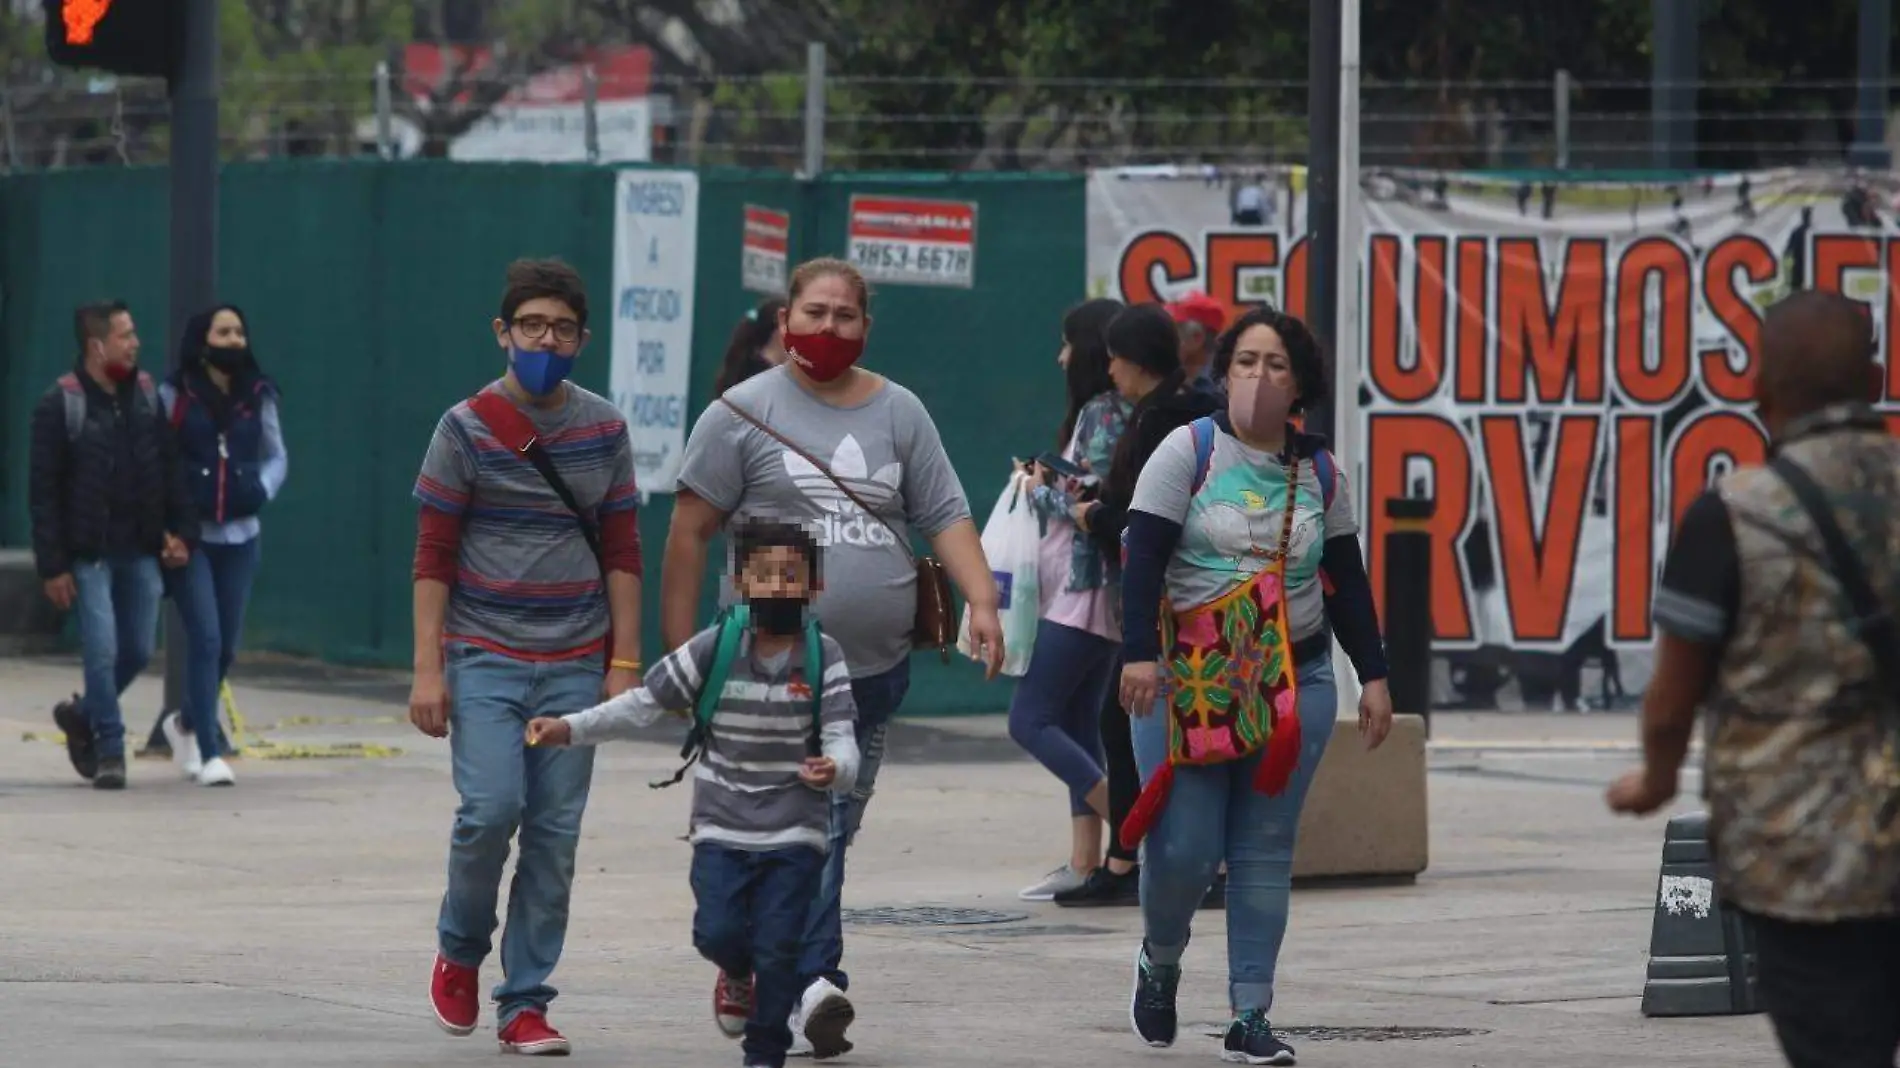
(624, 665)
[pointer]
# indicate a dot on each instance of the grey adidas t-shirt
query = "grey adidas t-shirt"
(886, 449)
(1242, 508)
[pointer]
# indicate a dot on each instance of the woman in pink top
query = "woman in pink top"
(1055, 714)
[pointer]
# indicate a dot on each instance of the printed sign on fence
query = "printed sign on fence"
(768, 233)
(1563, 371)
(905, 241)
(656, 242)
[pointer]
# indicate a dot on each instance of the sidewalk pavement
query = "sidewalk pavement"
(289, 920)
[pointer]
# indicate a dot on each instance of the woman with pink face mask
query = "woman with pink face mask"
(854, 458)
(1242, 564)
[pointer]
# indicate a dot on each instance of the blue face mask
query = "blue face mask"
(540, 372)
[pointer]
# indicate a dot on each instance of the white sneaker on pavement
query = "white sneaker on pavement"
(184, 744)
(216, 773)
(1060, 881)
(820, 1019)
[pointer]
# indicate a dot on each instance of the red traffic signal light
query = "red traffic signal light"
(120, 36)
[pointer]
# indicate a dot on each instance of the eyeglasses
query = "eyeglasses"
(535, 327)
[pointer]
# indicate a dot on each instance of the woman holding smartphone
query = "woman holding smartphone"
(1055, 714)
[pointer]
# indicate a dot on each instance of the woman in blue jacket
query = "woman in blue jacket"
(223, 409)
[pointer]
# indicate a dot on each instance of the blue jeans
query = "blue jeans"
(1215, 814)
(118, 626)
(877, 698)
(211, 597)
(749, 919)
(506, 786)
(1056, 714)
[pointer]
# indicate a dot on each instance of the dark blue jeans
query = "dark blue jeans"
(1056, 715)
(117, 607)
(211, 597)
(749, 919)
(877, 697)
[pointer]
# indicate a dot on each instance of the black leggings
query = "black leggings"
(1118, 752)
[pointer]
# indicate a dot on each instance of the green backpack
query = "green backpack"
(733, 622)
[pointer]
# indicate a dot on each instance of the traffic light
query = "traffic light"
(120, 36)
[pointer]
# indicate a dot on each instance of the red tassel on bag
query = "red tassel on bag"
(1282, 756)
(1154, 797)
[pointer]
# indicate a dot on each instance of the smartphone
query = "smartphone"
(1061, 466)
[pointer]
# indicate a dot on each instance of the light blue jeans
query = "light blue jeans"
(507, 786)
(1215, 814)
(117, 604)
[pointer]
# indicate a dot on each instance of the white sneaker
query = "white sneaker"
(820, 1020)
(216, 773)
(184, 745)
(1061, 880)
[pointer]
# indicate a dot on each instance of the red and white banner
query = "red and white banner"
(906, 241)
(762, 249)
(1562, 366)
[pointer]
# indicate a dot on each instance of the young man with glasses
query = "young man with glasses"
(527, 601)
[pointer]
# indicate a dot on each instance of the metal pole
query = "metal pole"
(1348, 362)
(1322, 192)
(1675, 25)
(590, 112)
(1561, 93)
(194, 248)
(13, 145)
(814, 109)
(1408, 605)
(385, 109)
(1870, 125)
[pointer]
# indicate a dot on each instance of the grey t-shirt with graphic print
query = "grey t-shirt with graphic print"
(886, 449)
(1241, 507)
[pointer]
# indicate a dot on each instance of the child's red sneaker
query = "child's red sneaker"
(732, 1004)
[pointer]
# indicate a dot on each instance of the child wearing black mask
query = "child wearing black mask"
(770, 699)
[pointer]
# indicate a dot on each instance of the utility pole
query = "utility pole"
(1322, 193)
(194, 230)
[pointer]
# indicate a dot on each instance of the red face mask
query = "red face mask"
(121, 372)
(823, 356)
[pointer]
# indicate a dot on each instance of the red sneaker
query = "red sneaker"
(732, 1004)
(529, 1034)
(455, 995)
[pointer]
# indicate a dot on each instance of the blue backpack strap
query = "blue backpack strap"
(1328, 477)
(1203, 430)
(732, 627)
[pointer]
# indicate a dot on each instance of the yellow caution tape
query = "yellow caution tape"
(247, 744)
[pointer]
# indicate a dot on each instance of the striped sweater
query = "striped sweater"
(746, 790)
(523, 580)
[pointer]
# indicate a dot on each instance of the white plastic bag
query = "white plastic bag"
(1011, 540)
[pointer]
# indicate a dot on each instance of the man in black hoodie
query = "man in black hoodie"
(107, 503)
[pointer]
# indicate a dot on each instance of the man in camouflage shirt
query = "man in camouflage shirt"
(1802, 773)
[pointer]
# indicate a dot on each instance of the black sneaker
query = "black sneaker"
(1151, 1010)
(111, 775)
(1216, 898)
(1104, 888)
(71, 721)
(1250, 1040)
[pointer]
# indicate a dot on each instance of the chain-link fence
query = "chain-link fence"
(927, 123)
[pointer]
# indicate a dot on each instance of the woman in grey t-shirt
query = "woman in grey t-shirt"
(874, 436)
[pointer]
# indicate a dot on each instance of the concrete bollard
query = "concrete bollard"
(1701, 954)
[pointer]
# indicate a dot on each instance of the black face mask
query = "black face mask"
(230, 361)
(778, 615)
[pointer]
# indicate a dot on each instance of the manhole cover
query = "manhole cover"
(1356, 1034)
(1046, 930)
(928, 916)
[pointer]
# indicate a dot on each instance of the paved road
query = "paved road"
(288, 921)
